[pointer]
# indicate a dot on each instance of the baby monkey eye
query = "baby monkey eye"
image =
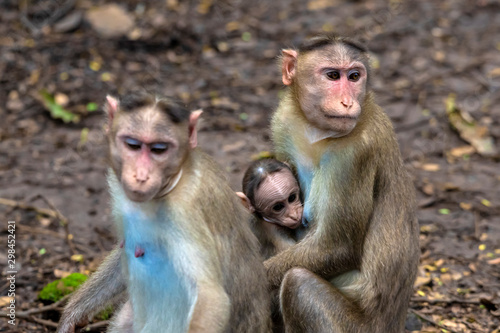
(278, 207)
(133, 144)
(333, 75)
(354, 76)
(292, 197)
(159, 148)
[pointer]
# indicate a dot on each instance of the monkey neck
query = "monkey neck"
(170, 185)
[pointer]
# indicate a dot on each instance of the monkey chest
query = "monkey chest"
(158, 283)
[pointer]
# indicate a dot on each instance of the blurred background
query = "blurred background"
(436, 71)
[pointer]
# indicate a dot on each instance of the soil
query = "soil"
(221, 56)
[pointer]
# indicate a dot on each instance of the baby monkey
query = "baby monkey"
(272, 194)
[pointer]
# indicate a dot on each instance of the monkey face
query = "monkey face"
(277, 199)
(330, 84)
(147, 152)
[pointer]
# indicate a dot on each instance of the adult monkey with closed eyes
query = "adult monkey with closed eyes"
(358, 198)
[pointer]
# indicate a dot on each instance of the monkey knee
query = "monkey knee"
(296, 276)
(295, 283)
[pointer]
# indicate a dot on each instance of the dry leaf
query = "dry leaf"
(463, 150)
(430, 167)
(4, 301)
(465, 206)
(428, 189)
(232, 147)
(422, 281)
(461, 121)
(494, 261)
(60, 274)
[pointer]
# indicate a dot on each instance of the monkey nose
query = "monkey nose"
(347, 103)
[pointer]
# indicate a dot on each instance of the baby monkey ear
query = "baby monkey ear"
(245, 201)
(193, 131)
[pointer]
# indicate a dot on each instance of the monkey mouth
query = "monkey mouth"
(340, 117)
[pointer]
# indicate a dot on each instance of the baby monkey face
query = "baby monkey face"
(278, 199)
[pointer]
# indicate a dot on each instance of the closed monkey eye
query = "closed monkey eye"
(133, 144)
(159, 148)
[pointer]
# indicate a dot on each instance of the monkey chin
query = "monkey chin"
(138, 195)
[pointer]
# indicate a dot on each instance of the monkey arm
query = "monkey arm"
(102, 287)
(334, 244)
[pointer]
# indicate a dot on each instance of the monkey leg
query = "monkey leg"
(123, 321)
(310, 303)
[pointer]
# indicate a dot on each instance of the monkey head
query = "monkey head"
(149, 139)
(328, 76)
(272, 192)
(278, 199)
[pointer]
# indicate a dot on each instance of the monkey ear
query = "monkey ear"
(193, 132)
(111, 107)
(245, 201)
(289, 61)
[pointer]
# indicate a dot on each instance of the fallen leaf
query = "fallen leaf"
(486, 202)
(494, 72)
(232, 147)
(60, 273)
(430, 167)
(494, 261)
(56, 110)
(428, 189)
(261, 155)
(444, 211)
(77, 257)
(314, 5)
(422, 281)
(482, 247)
(4, 301)
(463, 150)
(465, 206)
(462, 122)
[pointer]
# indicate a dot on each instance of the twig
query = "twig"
(94, 326)
(43, 322)
(63, 220)
(23, 205)
(40, 231)
(447, 301)
(432, 321)
(28, 314)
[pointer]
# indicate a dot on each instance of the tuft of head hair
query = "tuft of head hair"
(173, 108)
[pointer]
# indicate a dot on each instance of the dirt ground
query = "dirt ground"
(436, 67)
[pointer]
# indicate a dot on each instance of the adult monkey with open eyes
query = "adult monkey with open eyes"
(189, 261)
(358, 198)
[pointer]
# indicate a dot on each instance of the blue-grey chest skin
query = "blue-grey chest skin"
(316, 184)
(163, 294)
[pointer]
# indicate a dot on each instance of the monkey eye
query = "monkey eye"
(159, 147)
(333, 75)
(292, 197)
(354, 76)
(133, 144)
(278, 207)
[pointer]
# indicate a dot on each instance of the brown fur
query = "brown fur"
(364, 232)
(225, 271)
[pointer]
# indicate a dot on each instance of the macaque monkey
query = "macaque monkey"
(188, 261)
(271, 192)
(359, 201)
